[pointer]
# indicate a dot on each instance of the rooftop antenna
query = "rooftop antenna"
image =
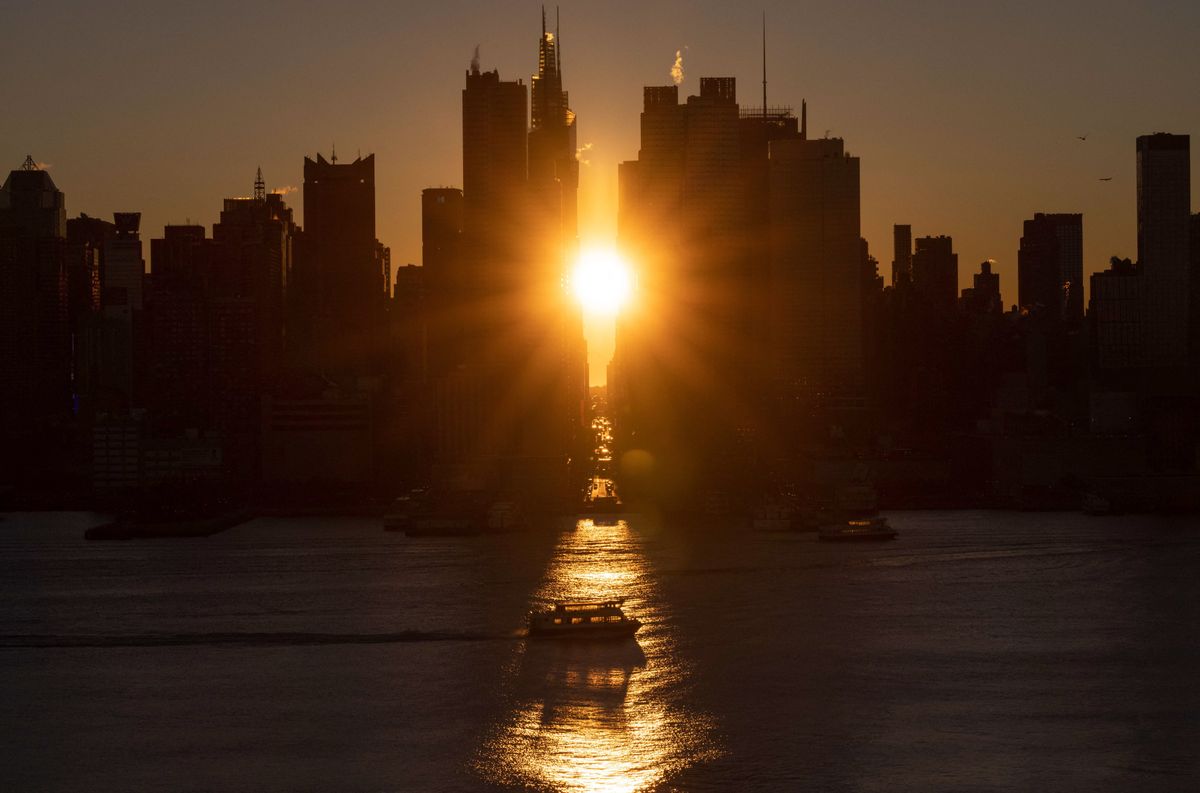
(29, 164)
(803, 120)
(557, 41)
(543, 22)
(260, 187)
(333, 153)
(764, 54)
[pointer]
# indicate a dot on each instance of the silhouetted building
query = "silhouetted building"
(1050, 267)
(35, 352)
(256, 236)
(935, 274)
(901, 255)
(553, 167)
(111, 353)
(183, 265)
(1194, 290)
(506, 360)
(684, 356)
(815, 260)
(494, 167)
(1164, 211)
(340, 278)
(1115, 313)
(984, 296)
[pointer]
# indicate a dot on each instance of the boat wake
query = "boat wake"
(240, 639)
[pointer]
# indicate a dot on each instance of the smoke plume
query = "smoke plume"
(475, 61)
(677, 68)
(286, 190)
(581, 154)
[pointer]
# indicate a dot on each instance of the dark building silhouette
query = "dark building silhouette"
(983, 297)
(1050, 267)
(35, 338)
(448, 287)
(935, 274)
(495, 168)
(902, 255)
(256, 236)
(553, 166)
(1164, 212)
(1194, 291)
(751, 279)
(506, 357)
(85, 272)
(680, 354)
(183, 264)
(815, 255)
(1115, 315)
(340, 274)
(110, 352)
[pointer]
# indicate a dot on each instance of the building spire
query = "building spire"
(333, 153)
(764, 56)
(260, 187)
(29, 164)
(803, 120)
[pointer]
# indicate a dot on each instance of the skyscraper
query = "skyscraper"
(552, 137)
(256, 237)
(1164, 211)
(983, 297)
(902, 255)
(494, 168)
(935, 274)
(816, 270)
(340, 285)
(1050, 267)
(35, 355)
(682, 347)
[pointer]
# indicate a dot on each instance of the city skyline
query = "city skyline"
(1004, 144)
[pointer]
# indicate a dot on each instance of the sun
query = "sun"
(602, 281)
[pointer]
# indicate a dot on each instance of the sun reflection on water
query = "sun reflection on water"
(599, 716)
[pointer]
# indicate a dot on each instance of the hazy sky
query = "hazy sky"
(965, 114)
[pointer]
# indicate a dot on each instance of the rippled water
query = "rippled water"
(981, 651)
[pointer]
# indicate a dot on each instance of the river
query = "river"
(979, 651)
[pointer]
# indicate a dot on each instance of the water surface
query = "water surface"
(981, 651)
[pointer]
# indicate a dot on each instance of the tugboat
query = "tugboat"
(874, 529)
(594, 619)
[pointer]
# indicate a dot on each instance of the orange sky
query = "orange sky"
(965, 116)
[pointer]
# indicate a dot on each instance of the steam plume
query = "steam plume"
(581, 154)
(286, 190)
(677, 68)
(475, 61)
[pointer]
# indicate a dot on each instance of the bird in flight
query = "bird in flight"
(1105, 178)
(1081, 137)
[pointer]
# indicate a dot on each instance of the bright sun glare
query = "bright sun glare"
(601, 281)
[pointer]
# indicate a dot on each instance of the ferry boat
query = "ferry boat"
(858, 530)
(594, 619)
